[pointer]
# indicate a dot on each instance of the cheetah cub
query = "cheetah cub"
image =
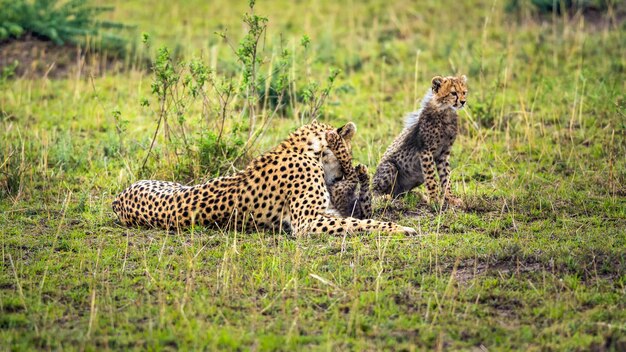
(348, 186)
(424, 145)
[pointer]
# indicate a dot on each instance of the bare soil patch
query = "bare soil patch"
(398, 209)
(469, 269)
(37, 58)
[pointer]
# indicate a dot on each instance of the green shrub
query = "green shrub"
(55, 20)
(229, 107)
(218, 152)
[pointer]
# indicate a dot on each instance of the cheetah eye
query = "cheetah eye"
(454, 94)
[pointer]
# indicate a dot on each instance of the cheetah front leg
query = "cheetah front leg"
(312, 220)
(443, 168)
(326, 224)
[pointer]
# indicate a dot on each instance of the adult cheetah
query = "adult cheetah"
(424, 144)
(285, 186)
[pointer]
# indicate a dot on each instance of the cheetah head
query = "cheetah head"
(449, 92)
(330, 162)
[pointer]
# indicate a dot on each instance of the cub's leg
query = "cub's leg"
(337, 145)
(443, 168)
(385, 178)
(342, 196)
(364, 203)
(428, 168)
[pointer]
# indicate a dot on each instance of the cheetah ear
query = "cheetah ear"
(347, 131)
(464, 78)
(437, 80)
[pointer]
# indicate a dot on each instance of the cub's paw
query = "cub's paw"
(333, 140)
(454, 201)
(438, 204)
(361, 172)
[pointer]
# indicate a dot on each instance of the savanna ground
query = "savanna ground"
(536, 259)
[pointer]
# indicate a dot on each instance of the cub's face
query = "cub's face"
(450, 92)
(330, 161)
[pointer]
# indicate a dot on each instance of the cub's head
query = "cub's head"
(449, 92)
(340, 141)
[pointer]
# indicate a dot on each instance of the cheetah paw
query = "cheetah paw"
(408, 231)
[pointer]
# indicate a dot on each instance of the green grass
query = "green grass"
(536, 259)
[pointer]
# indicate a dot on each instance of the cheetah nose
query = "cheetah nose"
(462, 102)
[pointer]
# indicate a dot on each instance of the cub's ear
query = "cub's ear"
(347, 131)
(463, 78)
(437, 80)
